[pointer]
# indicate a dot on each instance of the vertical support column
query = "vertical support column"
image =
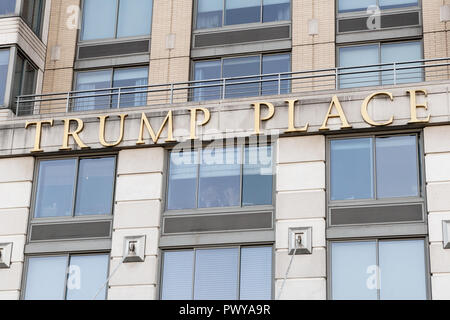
(16, 175)
(437, 167)
(300, 202)
(313, 40)
(436, 40)
(61, 48)
(170, 47)
(139, 187)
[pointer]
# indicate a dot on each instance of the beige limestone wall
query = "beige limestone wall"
(139, 188)
(16, 175)
(437, 167)
(300, 202)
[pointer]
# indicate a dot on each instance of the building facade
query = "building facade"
(224, 149)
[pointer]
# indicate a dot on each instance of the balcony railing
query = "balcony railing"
(238, 87)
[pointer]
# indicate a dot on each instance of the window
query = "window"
(362, 5)
(67, 277)
(374, 167)
(217, 13)
(374, 54)
(32, 12)
(378, 269)
(241, 67)
(7, 6)
(24, 82)
(111, 19)
(134, 79)
(218, 274)
(220, 177)
(4, 63)
(75, 187)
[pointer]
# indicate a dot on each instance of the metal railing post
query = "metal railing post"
(223, 88)
(118, 99)
(395, 73)
(336, 78)
(68, 101)
(17, 106)
(279, 83)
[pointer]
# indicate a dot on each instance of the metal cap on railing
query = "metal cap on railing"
(236, 87)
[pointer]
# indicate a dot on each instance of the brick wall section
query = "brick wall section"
(437, 167)
(139, 187)
(311, 52)
(300, 202)
(172, 17)
(16, 175)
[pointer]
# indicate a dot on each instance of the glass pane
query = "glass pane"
(399, 52)
(93, 80)
(95, 186)
(135, 18)
(54, 196)
(358, 5)
(238, 11)
(18, 78)
(276, 10)
(209, 14)
(220, 173)
(359, 56)
(397, 169)
(402, 270)
(99, 19)
(241, 67)
(4, 62)
(387, 4)
(24, 83)
(87, 274)
(354, 270)
(7, 6)
(177, 278)
(216, 274)
(46, 277)
(276, 63)
(32, 14)
(351, 169)
(204, 70)
(258, 174)
(182, 180)
(129, 78)
(256, 273)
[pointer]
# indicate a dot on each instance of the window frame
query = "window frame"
(68, 255)
(218, 247)
(116, 24)
(217, 210)
(222, 58)
(380, 71)
(43, 5)
(73, 218)
(235, 26)
(378, 239)
(111, 89)
(356, 13)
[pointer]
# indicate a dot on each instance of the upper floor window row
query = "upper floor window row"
(32, 12)
(112, 19)
(218, 13)
(363, 5)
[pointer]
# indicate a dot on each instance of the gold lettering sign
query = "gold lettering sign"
(37, 135)
(365, 105)
(74, 134)
(291, 120)
(207, 116)
(101, 132)
(336, 103)
(155, 137)
(258, 118)
(414, 105)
